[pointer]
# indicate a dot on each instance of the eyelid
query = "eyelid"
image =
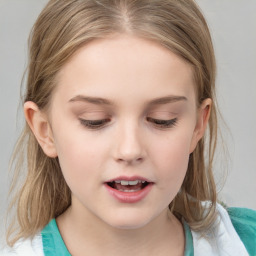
(100, 123)
(160, 123)
(94, 124)
(164, 114)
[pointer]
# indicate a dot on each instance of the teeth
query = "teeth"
(129, 182)
(133, 182)
(124, 182)
(129, 190)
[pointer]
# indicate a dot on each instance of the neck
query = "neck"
(85, 232)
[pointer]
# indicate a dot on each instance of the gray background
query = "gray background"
(233, 27)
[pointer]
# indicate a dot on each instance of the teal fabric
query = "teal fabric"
(189, 248)
(53, 243)
(244, 222)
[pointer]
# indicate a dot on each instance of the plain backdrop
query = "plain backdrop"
(233, 27)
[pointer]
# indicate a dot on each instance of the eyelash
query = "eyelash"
(97, 124)
(94, 124)
(163, 123)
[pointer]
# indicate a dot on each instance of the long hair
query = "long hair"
(61, 29)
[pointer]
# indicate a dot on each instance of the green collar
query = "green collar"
(53, 243)
(189, 248)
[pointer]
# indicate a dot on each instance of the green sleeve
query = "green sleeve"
(244, 222)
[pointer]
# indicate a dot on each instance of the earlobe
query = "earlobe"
(38, 123)
(203, 116)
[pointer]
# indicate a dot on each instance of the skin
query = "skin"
(130, 73)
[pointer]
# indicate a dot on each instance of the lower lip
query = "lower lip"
(129, 197)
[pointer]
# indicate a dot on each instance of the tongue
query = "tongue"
(118, 186)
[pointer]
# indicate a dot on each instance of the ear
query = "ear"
(203, 116)
(39, 124)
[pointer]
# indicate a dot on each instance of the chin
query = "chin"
(128, 220)
(130, 225)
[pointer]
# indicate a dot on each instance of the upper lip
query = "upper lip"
(129, 179)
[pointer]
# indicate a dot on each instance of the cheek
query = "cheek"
(79, 157)
(172, 156)
(80, 162)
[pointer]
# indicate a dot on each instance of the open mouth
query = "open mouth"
(128, 186)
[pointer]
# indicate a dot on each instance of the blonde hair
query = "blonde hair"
(61, 29)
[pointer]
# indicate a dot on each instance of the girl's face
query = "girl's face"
(124, 122)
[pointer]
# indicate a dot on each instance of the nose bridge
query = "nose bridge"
(129, 144)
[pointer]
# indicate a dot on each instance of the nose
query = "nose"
(129, 145)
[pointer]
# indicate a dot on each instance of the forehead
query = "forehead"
(125, 65)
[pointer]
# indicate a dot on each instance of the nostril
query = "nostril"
(129, 150)
(130, 161)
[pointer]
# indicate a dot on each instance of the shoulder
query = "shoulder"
(30, 247)
(244, 222)
(225, 236)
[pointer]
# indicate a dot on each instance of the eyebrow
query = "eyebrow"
(101, 101)
(167, 99)
(94, 100)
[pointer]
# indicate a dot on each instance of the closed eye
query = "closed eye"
(94, 124)
(163, 123)
(97, 124)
